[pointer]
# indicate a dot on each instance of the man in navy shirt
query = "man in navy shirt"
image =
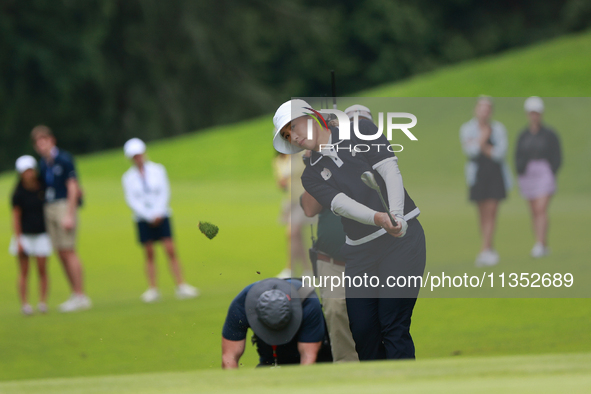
(286, 319)
(379, 314)
(62, 196)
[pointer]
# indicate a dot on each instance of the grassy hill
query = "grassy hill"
(224, 175)
(557, 68)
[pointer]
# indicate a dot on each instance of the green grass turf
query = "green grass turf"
(507, 374)
(224, 176)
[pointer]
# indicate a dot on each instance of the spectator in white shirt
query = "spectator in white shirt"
(147, 192)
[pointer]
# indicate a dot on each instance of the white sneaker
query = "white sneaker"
(68, 305)
(285, 274)
(27, 310)
(84, 302)
(42, 307)
(76, 302)
(184, 291)
(539, 250)
(151, 295)
(487, 258)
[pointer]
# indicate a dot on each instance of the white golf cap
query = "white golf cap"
(534, 104)
(287, 112)
(362, 110)
(133, 147)
(25, 163)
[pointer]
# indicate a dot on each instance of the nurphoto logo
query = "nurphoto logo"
(345, 129)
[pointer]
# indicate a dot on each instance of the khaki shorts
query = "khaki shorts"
(335, 313)
(54, 214)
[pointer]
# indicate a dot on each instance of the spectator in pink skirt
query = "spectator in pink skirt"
(538, 158)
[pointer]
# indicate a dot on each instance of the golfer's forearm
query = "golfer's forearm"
(345, 206)
(390, 173)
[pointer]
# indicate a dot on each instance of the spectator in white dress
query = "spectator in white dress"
(147, 192)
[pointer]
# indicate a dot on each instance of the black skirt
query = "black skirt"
(489, 181)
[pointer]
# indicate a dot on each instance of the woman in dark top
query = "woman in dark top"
(30, 238)
(538, 158)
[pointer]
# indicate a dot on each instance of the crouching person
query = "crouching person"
(287, 322)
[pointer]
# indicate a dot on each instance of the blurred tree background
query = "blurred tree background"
(101, 71)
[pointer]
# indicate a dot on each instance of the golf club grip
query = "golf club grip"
(394, 222)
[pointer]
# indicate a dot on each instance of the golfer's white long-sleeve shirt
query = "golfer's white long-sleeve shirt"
(147, 195)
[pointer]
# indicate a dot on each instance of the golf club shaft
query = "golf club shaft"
(394, 223)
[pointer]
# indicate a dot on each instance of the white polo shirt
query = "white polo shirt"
(147, 195)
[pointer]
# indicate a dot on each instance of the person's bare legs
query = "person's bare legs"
(23, 261)
(63, 259)
(150, 264)
(43, 282)
(73, 268)
(487, 210)
(175, 266)
(539, 211)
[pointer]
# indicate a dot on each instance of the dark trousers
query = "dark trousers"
(381, 327)
(380, 316)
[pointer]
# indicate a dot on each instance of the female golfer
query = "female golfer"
(30, 238)
(485, 144)
(147, 193)
(538, 158)
(375, 246)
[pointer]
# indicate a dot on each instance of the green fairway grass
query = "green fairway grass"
(508, 374)
(224, 176)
